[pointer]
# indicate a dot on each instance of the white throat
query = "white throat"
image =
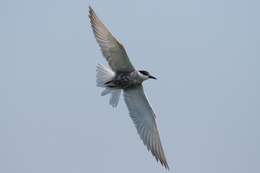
(142, 77)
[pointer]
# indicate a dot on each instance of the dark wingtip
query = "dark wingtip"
(166, 166)
(91, 12)
(90, 8)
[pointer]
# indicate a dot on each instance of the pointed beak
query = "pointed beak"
(152, 77)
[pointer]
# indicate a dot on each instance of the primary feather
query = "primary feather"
(144, 119)
(112, 50)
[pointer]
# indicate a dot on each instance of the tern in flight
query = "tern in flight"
(121, 76)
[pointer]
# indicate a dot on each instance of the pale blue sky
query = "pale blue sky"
(204, 53)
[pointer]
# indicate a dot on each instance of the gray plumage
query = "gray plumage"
(112, 50)
(121, 75)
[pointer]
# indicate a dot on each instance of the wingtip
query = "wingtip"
(165, 164)
(90, 11)
(90, 8)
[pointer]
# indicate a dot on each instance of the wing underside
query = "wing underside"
(144, 119)
(113, 51)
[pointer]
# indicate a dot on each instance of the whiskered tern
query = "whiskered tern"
(122, 76)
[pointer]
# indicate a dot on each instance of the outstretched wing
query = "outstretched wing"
(144, 120)
(113, 51)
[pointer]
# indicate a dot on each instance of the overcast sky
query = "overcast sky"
(205, 54)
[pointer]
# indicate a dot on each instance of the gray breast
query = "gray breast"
(125, 80)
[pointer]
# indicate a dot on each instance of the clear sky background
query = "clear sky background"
(205, 54)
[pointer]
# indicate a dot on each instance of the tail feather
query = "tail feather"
(104, 74)
(114, 97)
(105, 91)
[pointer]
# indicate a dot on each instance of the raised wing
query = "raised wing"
(144, 120)
(112, 50)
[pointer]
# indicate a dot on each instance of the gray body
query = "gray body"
(125, 80)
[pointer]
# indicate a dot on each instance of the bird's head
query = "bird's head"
(145, 75)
